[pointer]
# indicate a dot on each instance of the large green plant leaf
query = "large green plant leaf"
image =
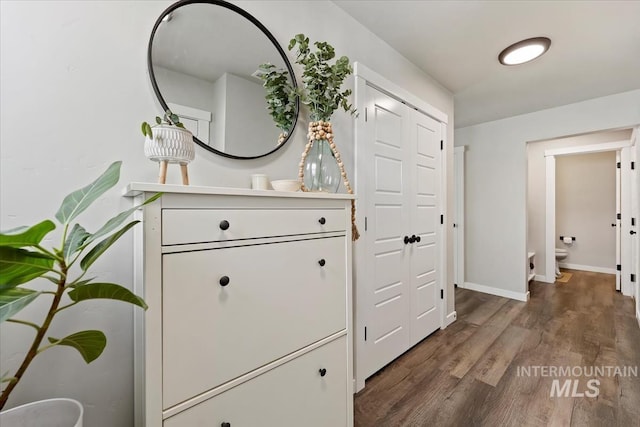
(27, 236)
(118, 220)
(76, 202)
(76, 238)
(90, 344)
(105, 291)
(14, 300)
(20, 266)
(101, 247)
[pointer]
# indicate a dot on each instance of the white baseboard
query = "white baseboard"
(451, 317)
(541, 278)
(520, 296)
(587, 268)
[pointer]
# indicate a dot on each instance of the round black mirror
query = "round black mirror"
(205, 59)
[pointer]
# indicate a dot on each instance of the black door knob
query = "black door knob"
(613, 225)
(531, 266)
(224, 280)
(322, 262)
(322, 221)
(418, 238)
(323, 372)
(225, 424)
(632, 232)
(406, 240)
(412, 239)
(224, 224)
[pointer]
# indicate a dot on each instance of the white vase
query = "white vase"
(50, 413)
(170, 143)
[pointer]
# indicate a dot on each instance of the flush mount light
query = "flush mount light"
(524, 51)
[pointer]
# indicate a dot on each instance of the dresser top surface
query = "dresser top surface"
(137, 188)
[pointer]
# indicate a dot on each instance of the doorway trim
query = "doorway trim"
(550, 199)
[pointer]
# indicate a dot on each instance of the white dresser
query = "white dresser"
(249, 319)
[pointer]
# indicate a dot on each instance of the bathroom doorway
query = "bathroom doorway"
(555, 156)
(542, 238)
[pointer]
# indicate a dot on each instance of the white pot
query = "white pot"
(50, 413)
(170, 143)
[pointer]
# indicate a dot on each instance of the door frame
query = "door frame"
(363, 77)
(458, 224)
(550, 205)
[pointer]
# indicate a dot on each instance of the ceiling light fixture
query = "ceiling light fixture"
(524, 51)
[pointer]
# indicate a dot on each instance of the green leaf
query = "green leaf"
(117, 220)
(90, 344)
(14, 300)
(75, 240)
(158, 120)
(106, 291)
(20, 266)
(101, 247)
(26, 236)
(76, 202)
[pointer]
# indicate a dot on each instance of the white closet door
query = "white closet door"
(387, 256)
(403, 278)
(424, 163)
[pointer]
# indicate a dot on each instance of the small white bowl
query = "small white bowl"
(286, 185)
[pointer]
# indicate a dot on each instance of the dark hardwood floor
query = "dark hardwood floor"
(471, 373)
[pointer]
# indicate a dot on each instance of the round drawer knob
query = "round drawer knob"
(406, 240)
(323, 372)
(224, 224)
(224, 280)
(225, 424)
(322, 262)
(322, 221)
(418, 238)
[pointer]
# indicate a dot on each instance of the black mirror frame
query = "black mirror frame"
(262, 28)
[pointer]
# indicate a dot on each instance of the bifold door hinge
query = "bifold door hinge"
(365, 114)
(441, 219)
(441, 293)
(365, 333)
(365, 223)
(619, 216)
(619, 267)
(618, 165)
(633, 278)
(442, 146)
(633, 165)
(633, 221)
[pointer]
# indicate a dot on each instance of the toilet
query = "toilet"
(560, 255)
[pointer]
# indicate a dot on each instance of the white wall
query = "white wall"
(496, 181)
(74, 85)
(254, 132)
(586, 208)
(536, 189)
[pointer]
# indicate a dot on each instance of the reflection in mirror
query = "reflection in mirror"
(204, 60)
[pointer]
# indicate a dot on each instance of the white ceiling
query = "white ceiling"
(595, 49)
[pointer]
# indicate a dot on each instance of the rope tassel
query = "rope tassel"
(319, 131)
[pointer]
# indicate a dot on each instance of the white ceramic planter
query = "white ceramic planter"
(49, 413)
(170, 143)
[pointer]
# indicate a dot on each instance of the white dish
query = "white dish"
(286, 185)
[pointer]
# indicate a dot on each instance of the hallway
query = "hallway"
(474, 372)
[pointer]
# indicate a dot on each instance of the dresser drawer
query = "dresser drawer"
(278, 299)
(292, 395)
(180, 226)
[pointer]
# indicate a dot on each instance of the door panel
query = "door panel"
(404, 280)
(388, 277)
